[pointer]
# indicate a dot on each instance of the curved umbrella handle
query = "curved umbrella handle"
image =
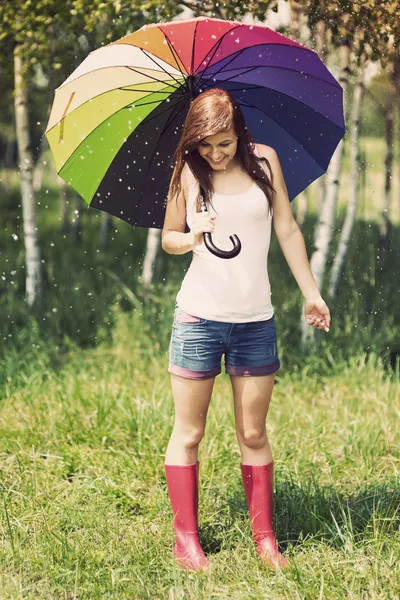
(237, 246)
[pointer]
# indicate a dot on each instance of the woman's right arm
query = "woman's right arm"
(174, 240)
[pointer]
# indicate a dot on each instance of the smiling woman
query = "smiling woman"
(216, 144)
(219, 150)
(223, 308)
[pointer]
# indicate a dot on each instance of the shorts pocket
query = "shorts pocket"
(183, 318)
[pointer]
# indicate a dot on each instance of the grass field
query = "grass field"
(87, 411)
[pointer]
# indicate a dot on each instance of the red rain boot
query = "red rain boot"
(183, 486)
(258, 482)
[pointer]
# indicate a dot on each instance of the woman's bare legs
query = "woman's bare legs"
(192, 400)
(252, 397)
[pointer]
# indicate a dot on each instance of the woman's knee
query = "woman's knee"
(252, 438)
(189, 437)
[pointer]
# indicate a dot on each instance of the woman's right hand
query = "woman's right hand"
(202, 223)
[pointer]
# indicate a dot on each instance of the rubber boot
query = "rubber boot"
(258, 482)
(183, 486)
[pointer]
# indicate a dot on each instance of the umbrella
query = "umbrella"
(116, 120)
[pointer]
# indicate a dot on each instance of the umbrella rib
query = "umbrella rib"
(137, 104)
(291, 135)
(233, 76)
(215, 47)
(160, 113)
(123, 89)
(193, 45)
(239, 52)
(177, 87)
(155, 62)
(284, 69)
(223, 67)
(292, 98)
(173, 52)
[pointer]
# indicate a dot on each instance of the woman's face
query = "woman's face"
(219, 149)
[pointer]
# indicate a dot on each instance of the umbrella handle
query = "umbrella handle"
(237, 246)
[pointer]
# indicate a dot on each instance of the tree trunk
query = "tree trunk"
(77, 222)
(396, 75)
(153, 242)
(326, 218)
(63, 187)
(295, 15)
(302, 207)
(105, 228)
(385, 224)
(39, 168)
(354, 127)
(34, 288)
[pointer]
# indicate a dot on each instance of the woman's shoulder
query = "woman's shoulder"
(264, 151)
(188, 180)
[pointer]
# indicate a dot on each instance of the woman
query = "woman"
(224, 307)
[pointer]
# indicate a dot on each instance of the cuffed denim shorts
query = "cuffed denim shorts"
(197, 345)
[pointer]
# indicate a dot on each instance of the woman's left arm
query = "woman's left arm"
(291, 241)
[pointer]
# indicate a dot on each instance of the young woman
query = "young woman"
(224, 307)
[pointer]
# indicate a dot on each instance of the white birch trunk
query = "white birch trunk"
(63, 187)
(396, 76)
(295, 15)
(354, 126)
(33, 292)
(301, 208)
(326, 219)
(153, 243)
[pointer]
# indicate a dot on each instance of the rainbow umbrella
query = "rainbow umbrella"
(116, 120)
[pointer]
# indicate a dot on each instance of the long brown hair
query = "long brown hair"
(212, 112)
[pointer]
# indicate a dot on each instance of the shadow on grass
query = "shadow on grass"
(322, 513)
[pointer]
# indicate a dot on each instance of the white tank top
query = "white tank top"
(233, 290)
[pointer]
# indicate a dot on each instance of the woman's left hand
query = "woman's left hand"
(317, 313)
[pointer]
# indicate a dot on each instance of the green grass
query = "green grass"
(87, 412)
(85, 508)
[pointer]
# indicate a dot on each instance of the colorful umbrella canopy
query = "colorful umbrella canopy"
(116, 120)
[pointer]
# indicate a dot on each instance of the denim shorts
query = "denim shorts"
(197, 345)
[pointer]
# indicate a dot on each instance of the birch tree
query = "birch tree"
(33, 286)
(327, 213)
(383, 46)
(345, 236)
(27, 33)
(367, 21)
